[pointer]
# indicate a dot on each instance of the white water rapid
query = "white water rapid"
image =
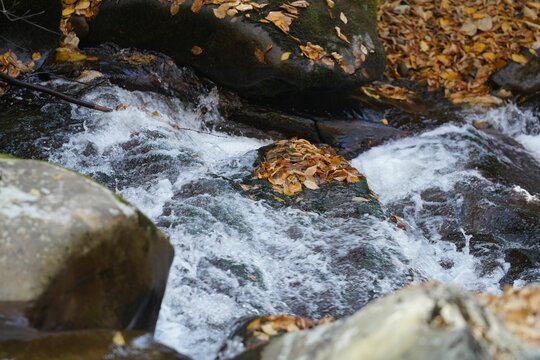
(238, 257)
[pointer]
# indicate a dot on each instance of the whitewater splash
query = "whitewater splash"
(238, 257)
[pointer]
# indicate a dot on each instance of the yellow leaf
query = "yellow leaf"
(521, 59)
(285, 56)
(118, 339)
(330, 3)
(36, 56)
(479, 47)
(489, 56)
(81, 5)
(384, 121)
(68, 11)
(424, 46)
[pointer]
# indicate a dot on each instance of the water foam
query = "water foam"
(238, 257)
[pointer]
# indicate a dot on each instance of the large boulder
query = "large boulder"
(422, 322)
(73, 254)
(248, 55)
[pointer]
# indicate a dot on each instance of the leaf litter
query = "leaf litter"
(296, 163)
(456, 46)
(260, 330)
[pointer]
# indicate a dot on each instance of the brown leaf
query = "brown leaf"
(196, 6)
(197, 50)
(280, 19)
(259, 54)
(341, 35)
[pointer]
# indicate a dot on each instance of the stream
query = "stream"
(238, 257)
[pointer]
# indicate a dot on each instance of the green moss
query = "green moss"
(7, 156)
(372, 8)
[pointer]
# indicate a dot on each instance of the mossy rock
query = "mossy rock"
(229, 45)
(73, 255)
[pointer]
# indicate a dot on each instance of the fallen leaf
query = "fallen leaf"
(259, 54)
(521, 59)
(196, 50)
(196, 6)
(285, 56)
(280, 19)
(343, 18)
(118, 339)
(341, 35)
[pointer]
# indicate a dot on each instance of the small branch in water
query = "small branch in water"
(43, 89)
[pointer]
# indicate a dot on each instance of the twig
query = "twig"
(13, 81)
(10, 15)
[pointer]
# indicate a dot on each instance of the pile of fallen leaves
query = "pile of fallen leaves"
(12, 66)
(261, 329)
(294, 163)
(519, 309)
(457, 45)
(69, 44)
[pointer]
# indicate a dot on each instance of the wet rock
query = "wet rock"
(349, 137)
(37, 31)
(422, 322)
(28, 344)
(229, 45)
(131, 69)
(74, 255)
(332, 198)
(520, 79)
(353, 137)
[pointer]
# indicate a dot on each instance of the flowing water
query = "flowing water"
(238, 257)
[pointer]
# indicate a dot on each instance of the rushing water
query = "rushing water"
(238, 257)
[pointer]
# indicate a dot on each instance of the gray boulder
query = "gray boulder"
(73, 255)
(423, 322)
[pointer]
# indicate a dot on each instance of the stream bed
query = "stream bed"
(238, 257)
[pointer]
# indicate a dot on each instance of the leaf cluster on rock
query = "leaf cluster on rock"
(296, 163)
(283, 18)
(11, 65)
(456, 46)
(260, 330)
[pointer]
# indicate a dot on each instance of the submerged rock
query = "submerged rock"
(74, 255)
(422, 322)
(255, 58)
(28, 344)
